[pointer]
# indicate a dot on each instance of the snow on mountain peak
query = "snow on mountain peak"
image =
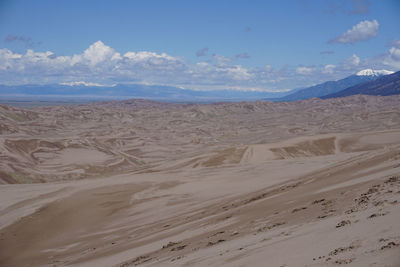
(369, 72)
(82, 83)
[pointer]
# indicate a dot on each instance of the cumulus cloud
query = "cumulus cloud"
(394, 43)
(394, 53)
(304, 70)
(351, 62)
(202, 52)
(392, 57)
(328, 69)
(220, 59)
(363, 31)
(101, 64)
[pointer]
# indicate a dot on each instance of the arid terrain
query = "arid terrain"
(306, 183)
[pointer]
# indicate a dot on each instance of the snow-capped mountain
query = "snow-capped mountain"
(370, 72)
(332, 87)
(384, 85)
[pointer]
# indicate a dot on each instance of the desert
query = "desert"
(136, 182)
(200, 133)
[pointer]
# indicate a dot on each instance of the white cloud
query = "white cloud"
(394, 53)
(101, 64)
(304, 70)
(98, 52)
(7, 59)
(395, 43)
(145, 56)
(84, 84)
(329, 69)
(351, 62)
(392, 57)
(363, 31)
(220, 59)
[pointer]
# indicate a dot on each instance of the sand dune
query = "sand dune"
(242, 184)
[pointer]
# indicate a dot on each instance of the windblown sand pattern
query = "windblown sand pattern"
(308, 183)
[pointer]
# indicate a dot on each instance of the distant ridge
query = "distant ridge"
(124, 91)
(383, 86)
(331, 87)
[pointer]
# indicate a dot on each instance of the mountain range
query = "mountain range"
(152, 92)
(370, 82)
(332, 87)
(383, 86)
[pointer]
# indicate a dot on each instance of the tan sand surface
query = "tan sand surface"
(309, 183)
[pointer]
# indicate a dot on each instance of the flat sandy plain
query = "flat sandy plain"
(308, 183)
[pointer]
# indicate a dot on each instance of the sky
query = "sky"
(201, 45)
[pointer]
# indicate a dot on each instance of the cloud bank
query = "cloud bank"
(363, 31)
(100, 64)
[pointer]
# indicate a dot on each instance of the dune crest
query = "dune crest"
(228, 184)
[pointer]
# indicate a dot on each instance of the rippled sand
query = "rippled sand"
(309, 183)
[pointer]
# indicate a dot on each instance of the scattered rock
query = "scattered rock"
(170, 244)
(350, 210)
(178, 248)
(379, 203)
(344, 261)
(341, 250)
(136, 261)
(376, 215)
(218, 233)
(216, 242)
(393, 179)
(343, 223)
(318, 201)
(269, 227)
(362, 200)
(177, 258)
(326, 203)
(299, 209)
(371, 191)
(390, 245)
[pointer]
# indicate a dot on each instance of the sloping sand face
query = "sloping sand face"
(315, 199)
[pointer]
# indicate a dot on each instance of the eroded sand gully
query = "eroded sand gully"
(325, 194)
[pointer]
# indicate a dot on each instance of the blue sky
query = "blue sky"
(243, 45)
